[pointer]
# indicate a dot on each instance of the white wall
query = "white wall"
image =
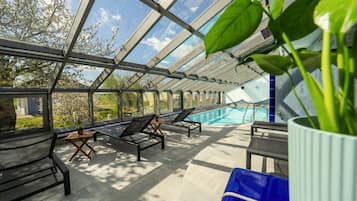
(254, 91)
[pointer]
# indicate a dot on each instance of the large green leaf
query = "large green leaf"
(336, 16)
(296, 21)
(276, 8)
(272, 64)
(236, 24)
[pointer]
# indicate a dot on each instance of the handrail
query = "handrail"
(245, 113)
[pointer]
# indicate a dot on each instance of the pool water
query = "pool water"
(230, 115)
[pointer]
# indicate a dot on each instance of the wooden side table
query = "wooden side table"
(83, 138)
(155, 126)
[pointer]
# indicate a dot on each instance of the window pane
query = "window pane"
(187, 100)
(18, 72)
(130, 104)
(208, 99)
(176, 97)
(149, 103)
(78, 76)
(164, 102)
(205, 28)
(181, 51)
(109, 25)
(105, 106)
(161, 35)
(20, 113)
(202, 99)
(118, 80)
(146, 82)
(38, 21)
(195, 99)
(192, 62)
(188, 10)
(70, 107)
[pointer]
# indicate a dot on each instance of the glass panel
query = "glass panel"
(192, 62)
(130, 104)
(161, 35)
(176, 97)
(105, 106)
(188, 10)
(38, 21)
(109, 25)
(68, 108)
(146, 82)
(195, 99)
(18, 72)
(205, 28)
(78, 76)
(202, 99)
(208, 99)
(117, 80)
(164, 102)
(181, 51)
(187, 100)
(149, 103)
(20, 113)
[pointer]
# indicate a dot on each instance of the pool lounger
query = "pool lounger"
(180, 121)
(134, 133)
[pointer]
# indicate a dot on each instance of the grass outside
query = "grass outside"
(27, 122)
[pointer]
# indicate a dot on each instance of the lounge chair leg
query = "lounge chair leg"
(162, 142)
(200, 128)
(66, 183)
(138, 153)
(249, 160)
(189, 133)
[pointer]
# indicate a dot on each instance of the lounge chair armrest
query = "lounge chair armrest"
(61, 166)
(153, 134)
(195, 122)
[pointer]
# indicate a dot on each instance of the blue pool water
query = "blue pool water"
(230, 115)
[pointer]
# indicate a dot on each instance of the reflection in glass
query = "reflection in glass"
(130, 104)
(161, 35)
(187, 100)
(149, 102)
(68, 108)
(105, 106)
(192, 62)
(37, 21)
(176, 98)
(20, 113)
(18, 72)
(164, 102)
(109, 25)
(78, 76)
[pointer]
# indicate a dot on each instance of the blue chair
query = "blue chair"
(247, 185)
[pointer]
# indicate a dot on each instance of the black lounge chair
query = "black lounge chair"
(134, 133)
(180, 121)
(29, 166)
(272, 146)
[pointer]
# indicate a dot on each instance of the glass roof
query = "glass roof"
(188, 10)
(181, 51)
(154, 41)
(38, 21)
(118, 80)
(78, 76)
(112, 37)
(109, 25)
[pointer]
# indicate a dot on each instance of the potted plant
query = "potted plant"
(322, 149)
(79, 127)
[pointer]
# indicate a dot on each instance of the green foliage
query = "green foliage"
(335, 108)
(238, 22)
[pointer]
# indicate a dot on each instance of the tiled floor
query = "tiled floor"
(189, 169)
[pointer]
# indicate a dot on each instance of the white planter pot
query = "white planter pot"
(322, 165)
